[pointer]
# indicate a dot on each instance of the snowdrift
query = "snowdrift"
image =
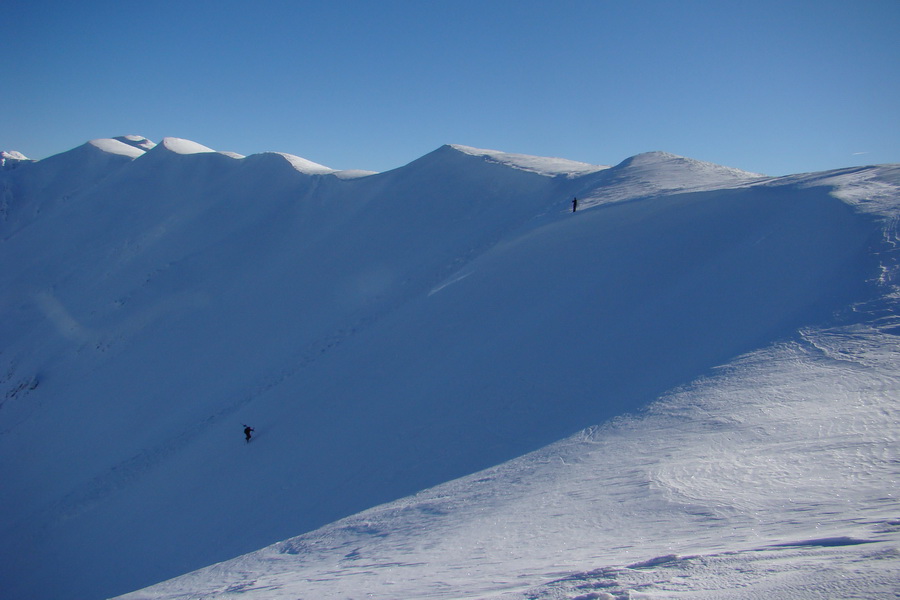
(384, 333)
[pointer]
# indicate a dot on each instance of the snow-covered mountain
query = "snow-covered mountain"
(689, 385)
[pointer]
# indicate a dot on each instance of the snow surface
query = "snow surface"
(12, 159)
(460, 389)
(13, 154)
(773, 477)
(138, 141)
(870, 189)
(305, 166)
(114, 146)
(536, 164)
(654, 173)
(182, 146)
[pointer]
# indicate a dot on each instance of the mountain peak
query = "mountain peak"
(183, 146)
(653, 173)
(115, 146)
(669, 162)
(11, 158)
(13, 155)
(653, 157)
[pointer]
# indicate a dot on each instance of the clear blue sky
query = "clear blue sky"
(771, 86)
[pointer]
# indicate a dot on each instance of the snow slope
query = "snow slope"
(535, 164)
(655, 173)
(789, 492)
(391, 332)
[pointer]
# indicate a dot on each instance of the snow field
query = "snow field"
(788, 492)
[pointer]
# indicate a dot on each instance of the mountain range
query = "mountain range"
(459, 386)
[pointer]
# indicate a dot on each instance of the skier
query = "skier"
(574, 204)
(247, 431)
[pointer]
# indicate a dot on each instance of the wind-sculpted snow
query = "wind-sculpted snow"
(13, 155)
(387, 333)
(655, 173)
(182, 146)
(871, 189)
(138, 141)
(535, 164)
(305, 166)
(114, 146)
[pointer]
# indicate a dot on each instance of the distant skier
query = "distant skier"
(247, 431)
(574, 204)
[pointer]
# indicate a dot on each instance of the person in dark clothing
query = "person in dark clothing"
(247, 431)
(574, 204)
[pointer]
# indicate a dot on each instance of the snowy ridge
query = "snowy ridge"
(51, 182)
(182, 146)
(353, 173)
(138, 141)
(305, 166)
(550, 167)
(872, 189)
(12, 159)
(663, 165)
(113, 146)
(654, 173)
(13, 155)
(460, 389)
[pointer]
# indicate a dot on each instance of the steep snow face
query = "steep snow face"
(383, 334)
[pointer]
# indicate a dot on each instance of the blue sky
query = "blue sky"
(770, 86)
